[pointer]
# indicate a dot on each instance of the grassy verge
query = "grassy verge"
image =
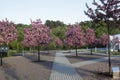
(115, 53)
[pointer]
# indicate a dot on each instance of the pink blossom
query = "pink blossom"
(8, 31)
(90, 37)
(74, 36)
(38, 34)
(58, 42)
(104, 39)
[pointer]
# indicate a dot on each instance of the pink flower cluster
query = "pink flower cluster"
(58, 42)
(8, 31)
(104, 39)
(75, 36)
(38, 34)
(90, 37)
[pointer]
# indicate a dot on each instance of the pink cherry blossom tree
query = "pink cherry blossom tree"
(90, 38)
(75, 36)
(28, 40)
(58, 42)
(104, 39)
(8, 33)
(37, 35)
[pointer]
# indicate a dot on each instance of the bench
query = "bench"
(116, 72)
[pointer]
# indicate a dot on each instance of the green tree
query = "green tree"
(59, 32)
(100, 29)
(54, 24)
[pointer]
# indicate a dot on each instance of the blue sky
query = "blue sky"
(21, 11)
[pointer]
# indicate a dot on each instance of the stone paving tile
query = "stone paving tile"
(62, 69)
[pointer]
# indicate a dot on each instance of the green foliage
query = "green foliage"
(86, 23)
(101, 30)
(116, 53)
(20, 29)
(59, 32)
(20, 25)
(12, 52)
(54, 24)
(19, 47)
(16, 45)
(13, 45)
(51, 46)
(20, 33)
(115, 30)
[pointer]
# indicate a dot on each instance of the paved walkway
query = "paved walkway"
(78, 64)
(62, 69)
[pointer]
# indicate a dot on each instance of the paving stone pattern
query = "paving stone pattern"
(63, 70)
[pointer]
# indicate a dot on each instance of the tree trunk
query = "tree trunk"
(1, 59)
(38, 53)
(76, 52)
(91, 51)
(109, 55)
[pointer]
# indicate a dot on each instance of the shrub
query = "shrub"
(116, 53)
(12, 52)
